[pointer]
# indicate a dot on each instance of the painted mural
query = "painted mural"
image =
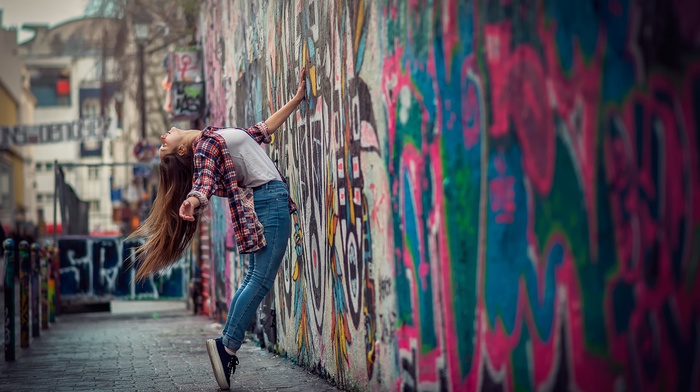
(493, 195)
(96, 269)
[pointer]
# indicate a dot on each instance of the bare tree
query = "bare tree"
(172, 23)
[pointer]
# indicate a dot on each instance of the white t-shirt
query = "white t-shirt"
(253, 166)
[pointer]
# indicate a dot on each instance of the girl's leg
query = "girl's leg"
(272, 210)
(246, 279)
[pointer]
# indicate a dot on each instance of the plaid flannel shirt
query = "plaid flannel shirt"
(214, 174)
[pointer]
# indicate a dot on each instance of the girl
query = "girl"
(226, 162)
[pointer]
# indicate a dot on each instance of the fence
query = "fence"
(79, 270)
(37, 267)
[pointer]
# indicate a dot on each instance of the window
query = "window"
(90, 148)
(51, 86)
(93, 173)
(49, 166)
(5, 191)
(94, 205)
(38, 166)
(90, 109)
(39, 198)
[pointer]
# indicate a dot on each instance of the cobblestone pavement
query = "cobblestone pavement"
(107, 352)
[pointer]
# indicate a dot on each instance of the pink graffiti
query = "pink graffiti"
(184, 62)
(395, 78)
(518, 91)
(214, 63)
(412, 160)
(640, 231)
(636, 230)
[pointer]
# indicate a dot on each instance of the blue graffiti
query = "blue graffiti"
(577, 25)
(507, 256)
(99, 269)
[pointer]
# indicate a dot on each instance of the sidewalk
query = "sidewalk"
(142, 352)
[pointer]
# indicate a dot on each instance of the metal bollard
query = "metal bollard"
(36, 328)
(44, 287)
(53, 268)
(55, 286)
(9, 247)
(24, 269)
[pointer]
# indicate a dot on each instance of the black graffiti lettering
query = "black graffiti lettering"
(187, 99)
(385, 288)
(409, 372)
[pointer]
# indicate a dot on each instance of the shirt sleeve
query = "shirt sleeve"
(260, 133)
(204, 176)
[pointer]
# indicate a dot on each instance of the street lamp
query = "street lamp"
(141, 36)
(141, 33)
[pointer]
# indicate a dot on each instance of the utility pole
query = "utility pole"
(103, 79)
(142, 89)
(141, 35)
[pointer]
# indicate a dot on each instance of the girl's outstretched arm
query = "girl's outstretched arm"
(280, 116)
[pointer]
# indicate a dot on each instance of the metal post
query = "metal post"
(36, 327)
(9, 247)
(24, 269)
(44, 287)
(52, 280)
(142, 110)
(142, 89)
(53, 284)
(55, 199)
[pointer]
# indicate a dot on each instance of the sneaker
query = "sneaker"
(223, 363)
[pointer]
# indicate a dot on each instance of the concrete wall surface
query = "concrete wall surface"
(492, 194)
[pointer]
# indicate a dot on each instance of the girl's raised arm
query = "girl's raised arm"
(280, 116)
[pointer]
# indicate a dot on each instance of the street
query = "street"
(145, 351)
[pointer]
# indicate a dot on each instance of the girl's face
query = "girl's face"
(171, 141)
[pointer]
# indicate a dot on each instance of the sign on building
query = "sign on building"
(187, 100)
(184, 85)
(79, 130)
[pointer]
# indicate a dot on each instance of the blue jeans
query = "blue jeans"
(273, 212)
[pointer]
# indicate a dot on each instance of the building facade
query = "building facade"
(72, 76)
(17, 206)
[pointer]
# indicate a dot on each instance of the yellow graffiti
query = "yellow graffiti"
(298, 238)
(340, 334)
(303, 55)
(312, 76)
(358, 27)
(303, 339)
(371, 333)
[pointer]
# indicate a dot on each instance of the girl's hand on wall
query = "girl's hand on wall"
(301, 91)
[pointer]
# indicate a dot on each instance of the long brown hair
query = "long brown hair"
(167, 235)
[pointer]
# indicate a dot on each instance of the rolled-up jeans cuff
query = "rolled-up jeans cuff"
(230, 343)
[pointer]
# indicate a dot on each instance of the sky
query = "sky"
(51, 12)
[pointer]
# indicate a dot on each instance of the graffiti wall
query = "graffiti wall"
(97, 269)
(493, 195)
